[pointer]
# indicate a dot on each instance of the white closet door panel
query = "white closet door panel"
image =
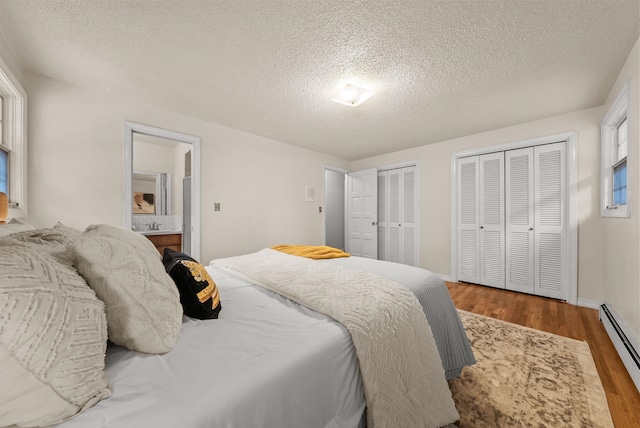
(468, 220)
(520, 244)
(394, 247)
(395, 234)
(409, 195)
(468, 248)
(394, 196)
(408, 223)
(550, 227)
(491, 203)
(409, 246)
(382, 215)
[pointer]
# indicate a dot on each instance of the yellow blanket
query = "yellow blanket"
(315, 252)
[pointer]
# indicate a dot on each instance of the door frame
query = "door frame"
(326, 168)
(571, 139)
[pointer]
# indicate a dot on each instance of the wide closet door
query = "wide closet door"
(481, 219)
(512, 229)
(397, 216)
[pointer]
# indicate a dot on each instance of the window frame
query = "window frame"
(615, 116)
(15, 139)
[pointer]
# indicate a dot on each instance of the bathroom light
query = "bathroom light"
(352, 95)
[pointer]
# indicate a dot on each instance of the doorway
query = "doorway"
(334, 207)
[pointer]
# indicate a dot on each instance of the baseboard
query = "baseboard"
(586, 303)
(446, 278)
(625, 343)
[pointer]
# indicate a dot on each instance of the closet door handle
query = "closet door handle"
(531, 228)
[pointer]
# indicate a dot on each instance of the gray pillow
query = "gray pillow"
(53, 338)
(125, 270)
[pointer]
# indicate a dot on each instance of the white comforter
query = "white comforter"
(403, 378)
(267, 362)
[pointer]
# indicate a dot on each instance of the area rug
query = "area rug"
(527, 378)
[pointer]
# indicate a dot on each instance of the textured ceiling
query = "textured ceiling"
(441, 69)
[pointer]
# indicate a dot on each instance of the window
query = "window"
(13, 168)
(614, 138)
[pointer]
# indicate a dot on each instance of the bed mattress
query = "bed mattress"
(266, 362)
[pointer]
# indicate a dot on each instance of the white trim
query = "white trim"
(571, 139)
(627, 349)
(15, 107)
(129, 129)
(609, 127)
(398, 165)
(588, 303)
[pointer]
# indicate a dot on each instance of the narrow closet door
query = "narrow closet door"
(383, 207)
(468, 220)
(520, 244)
(394, 246)
(550, 220)
(408, 219)
(492, 220)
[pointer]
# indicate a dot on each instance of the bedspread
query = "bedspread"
(403, 378)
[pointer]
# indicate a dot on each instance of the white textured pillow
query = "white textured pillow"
(53, 338)
(142, 302)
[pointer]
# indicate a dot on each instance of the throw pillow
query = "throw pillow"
(53, 338)
(198, 292)
(124, 269)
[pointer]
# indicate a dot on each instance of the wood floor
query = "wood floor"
(566, 320)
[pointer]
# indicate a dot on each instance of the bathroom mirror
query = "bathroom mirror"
(152, 192)
(161, 184)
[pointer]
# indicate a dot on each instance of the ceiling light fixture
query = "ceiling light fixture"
(352, 95)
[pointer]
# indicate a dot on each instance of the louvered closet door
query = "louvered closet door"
(492, 246)
(550, 228)
(468, 220)
(394, 246)
(520, 249)
(383, 206)
(408, 218)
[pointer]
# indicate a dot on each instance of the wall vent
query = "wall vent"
(625, 343)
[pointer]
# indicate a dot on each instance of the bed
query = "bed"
(266, 361)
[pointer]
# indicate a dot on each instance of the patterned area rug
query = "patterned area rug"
(527, 378)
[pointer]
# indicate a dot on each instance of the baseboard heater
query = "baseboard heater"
(625, 343)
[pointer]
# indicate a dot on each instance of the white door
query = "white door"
(550, 229)
(394, 244)
(520, 216)
(468, 245)
(383, 179)
(362, 194)
(397, 214)
(409, 225)
(491, 203)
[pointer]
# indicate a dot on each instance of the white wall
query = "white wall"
(434, 163)
(75, 171)
(622, 235)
